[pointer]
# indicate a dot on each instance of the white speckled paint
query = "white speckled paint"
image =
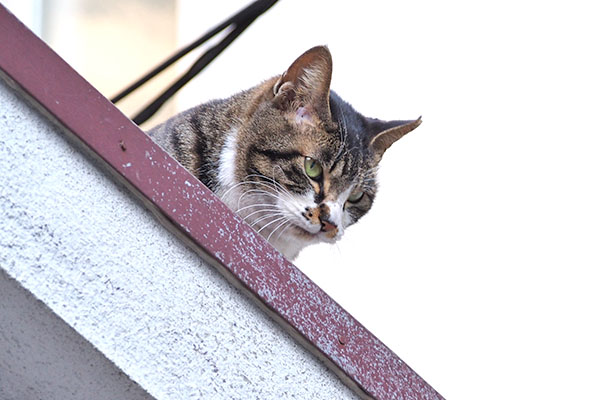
(106, 267)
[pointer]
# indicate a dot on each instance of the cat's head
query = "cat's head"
(306, 161)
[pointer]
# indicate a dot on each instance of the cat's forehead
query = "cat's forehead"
(351, 123)
(348, 158)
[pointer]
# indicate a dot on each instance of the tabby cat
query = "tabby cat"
(290, 156)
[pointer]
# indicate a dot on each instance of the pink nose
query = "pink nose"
(327, 226)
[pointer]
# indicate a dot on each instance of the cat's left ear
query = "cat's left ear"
(305, 85)
(385, 133)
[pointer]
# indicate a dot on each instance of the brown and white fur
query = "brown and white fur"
(258, 149)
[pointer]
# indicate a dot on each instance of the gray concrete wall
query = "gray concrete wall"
(125, 290)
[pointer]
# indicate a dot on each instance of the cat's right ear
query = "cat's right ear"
(305, 84)
(386, 133)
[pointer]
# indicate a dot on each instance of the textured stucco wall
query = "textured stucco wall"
(41, 357)
(98, 260)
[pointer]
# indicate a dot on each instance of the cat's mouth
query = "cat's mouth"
(318, 233)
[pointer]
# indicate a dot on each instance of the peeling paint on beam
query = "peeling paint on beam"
(188, 208)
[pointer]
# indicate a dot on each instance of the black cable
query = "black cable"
(239, 21)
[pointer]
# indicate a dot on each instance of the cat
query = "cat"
(290, 156)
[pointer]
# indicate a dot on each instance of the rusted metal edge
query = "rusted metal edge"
(187, 208)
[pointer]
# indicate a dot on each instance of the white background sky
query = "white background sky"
(478, 263)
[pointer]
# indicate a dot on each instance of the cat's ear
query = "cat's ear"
(385, 133)
(305, 84)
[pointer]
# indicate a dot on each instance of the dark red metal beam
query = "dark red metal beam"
(189, 209)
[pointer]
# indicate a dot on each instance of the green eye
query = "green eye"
(355, 196)
(313, 168)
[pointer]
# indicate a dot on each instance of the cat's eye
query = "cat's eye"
(313, 168)
(356, 196)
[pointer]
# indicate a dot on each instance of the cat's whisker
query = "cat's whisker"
(270, 223)
(228, 191)
(256, 221)
(273, 178)
(246, 182)
(279, 184)
(283, 230)
(337, 247)
(254, 206)
(255, 192)
(277, 227)
(272, 183)
(260, 211)
(241, 196)
(276, 191)
(264, 192)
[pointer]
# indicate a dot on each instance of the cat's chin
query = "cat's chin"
(297, 238)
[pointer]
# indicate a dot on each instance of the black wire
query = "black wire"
(240, 21)
(198, 66)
